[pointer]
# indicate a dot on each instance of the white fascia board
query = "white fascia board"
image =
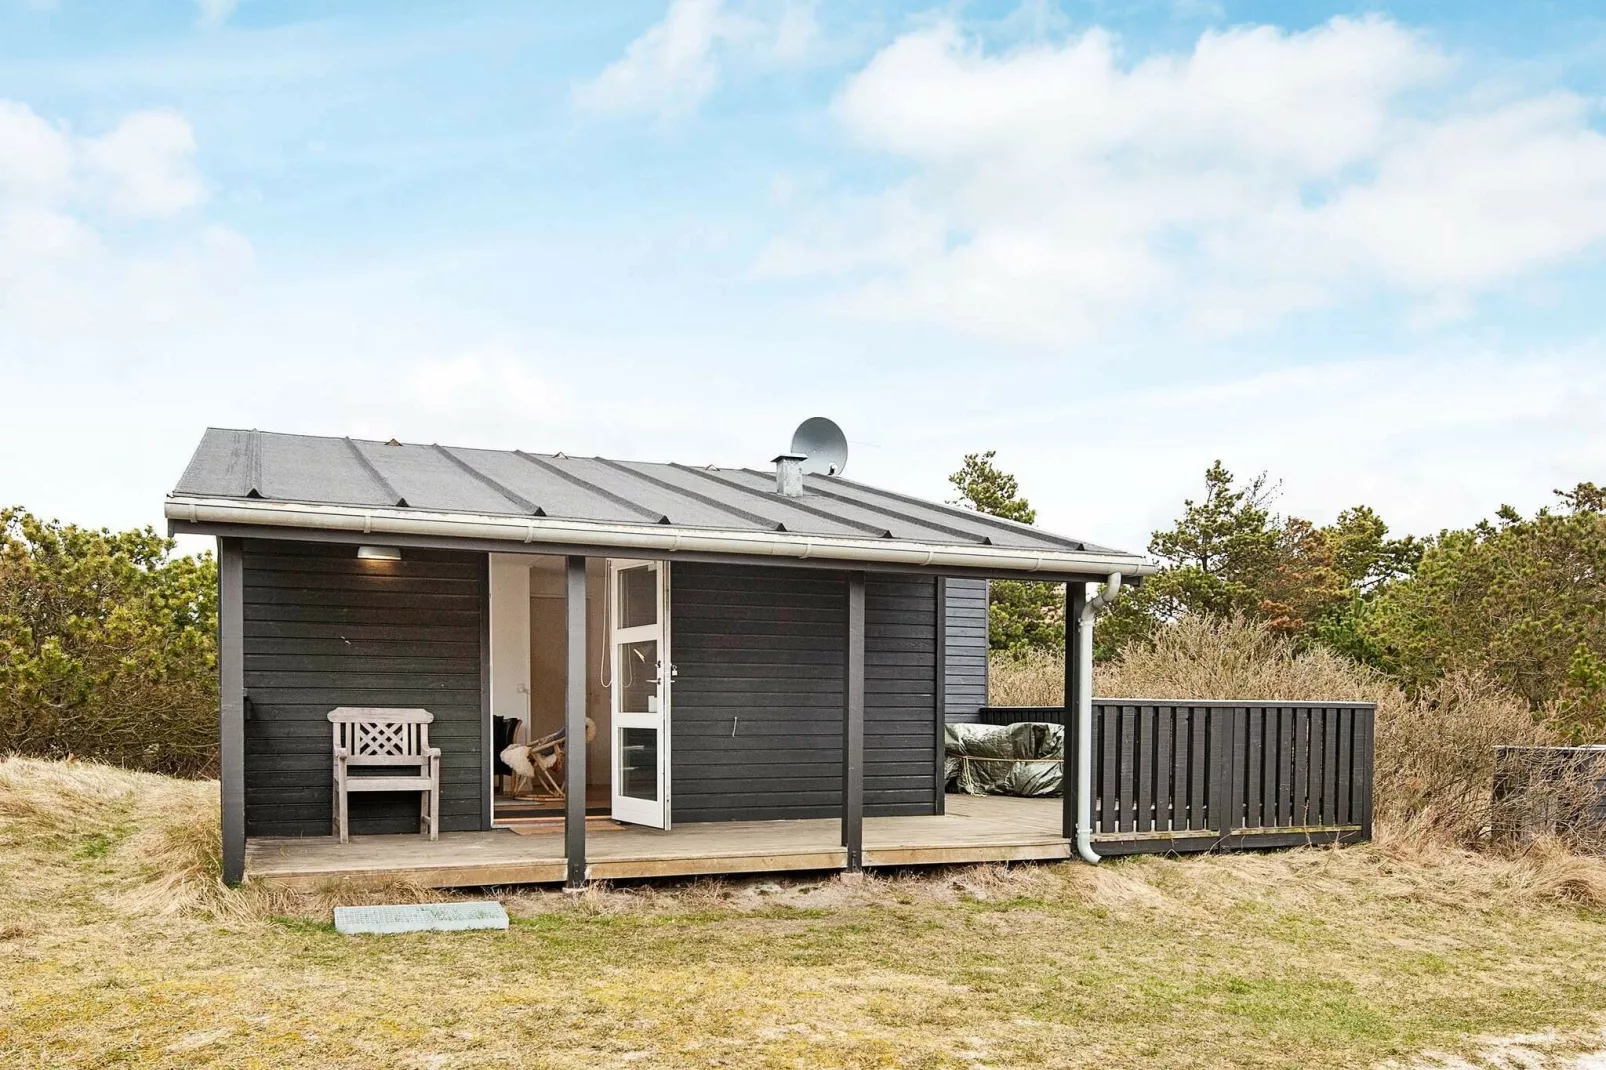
(644, 539)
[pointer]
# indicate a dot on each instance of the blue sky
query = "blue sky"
(1360, 248)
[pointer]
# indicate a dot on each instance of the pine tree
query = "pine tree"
(1021, 616)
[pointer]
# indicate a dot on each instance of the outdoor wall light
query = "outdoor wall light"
(379, 553)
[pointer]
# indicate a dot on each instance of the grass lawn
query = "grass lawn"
(118, 949)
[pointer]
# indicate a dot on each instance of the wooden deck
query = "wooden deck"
(975, 829)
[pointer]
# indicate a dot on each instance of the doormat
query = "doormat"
(420, 917)
(553, 826)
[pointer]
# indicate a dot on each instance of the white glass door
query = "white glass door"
(638, 593)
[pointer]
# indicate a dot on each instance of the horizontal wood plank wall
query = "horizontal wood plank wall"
(757, 716)
(965, 668)
(900, 701)
(323, 629)
(1177, 776)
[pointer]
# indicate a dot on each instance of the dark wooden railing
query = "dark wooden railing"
(1175, 775)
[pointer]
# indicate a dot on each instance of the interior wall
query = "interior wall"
(510, 624)
(547, 656)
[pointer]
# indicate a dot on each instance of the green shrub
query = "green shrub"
(107, 647)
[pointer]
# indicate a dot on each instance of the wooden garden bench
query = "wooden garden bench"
(370, 736)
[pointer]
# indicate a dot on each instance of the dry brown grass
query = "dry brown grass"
(118, 947)
(1035, 678)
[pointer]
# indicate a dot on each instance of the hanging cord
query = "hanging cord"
(607, 634)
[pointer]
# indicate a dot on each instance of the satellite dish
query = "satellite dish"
(824, 445)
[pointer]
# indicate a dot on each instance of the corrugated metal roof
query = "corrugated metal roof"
(445, 479)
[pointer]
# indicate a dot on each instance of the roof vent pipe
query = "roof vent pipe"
(789, 474)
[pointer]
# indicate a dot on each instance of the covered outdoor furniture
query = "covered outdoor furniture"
(1027, 758)
(386, 738)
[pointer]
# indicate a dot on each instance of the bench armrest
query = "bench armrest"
(342, 752)
(433, 752)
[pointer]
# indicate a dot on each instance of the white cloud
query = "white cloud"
(674, 66)
(1259, 173)
(147, 163)
(143, 167)
(211, 14)
(66, 266)
(36, 158)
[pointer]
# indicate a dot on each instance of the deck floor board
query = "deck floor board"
(974, 829)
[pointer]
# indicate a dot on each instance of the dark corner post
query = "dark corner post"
(1075, 603)
(487, 722)
(574, 723)
(853, 728)
(231, 705)
(1364, 764)
(940, 801)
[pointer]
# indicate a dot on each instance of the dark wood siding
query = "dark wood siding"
(965, 664)
(758, 697)
(900, 704)
(323, 629)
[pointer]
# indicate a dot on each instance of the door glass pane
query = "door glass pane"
(638, 597)
(638, 763)
(638, 677)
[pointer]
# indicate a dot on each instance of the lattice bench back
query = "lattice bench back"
(374, 735)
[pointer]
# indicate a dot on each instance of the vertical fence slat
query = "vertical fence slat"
(1359, 775)
(1301, 759)
(1285, 767)
(1330, 771)
(1125, 790)
(1313, 767)
(1110, 728)
(1344, 815)
(1198, 772)
(1162, 768)
(1318, 764)
(1179, 768)
(1180, 749)
(1145, 763)
(1368, 748)
(1254, 770)
(1238, 769)
(1219, 755)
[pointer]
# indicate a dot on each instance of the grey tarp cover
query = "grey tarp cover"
(1013, 759)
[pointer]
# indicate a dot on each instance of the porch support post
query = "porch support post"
(853, 728)
(231, 705)
(574, 721)
(940, 690)
(1075, 602)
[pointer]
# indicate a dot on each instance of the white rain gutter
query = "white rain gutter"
(1084, 717)
(640, 538)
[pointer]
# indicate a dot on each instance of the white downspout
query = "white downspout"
(1084, 716)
